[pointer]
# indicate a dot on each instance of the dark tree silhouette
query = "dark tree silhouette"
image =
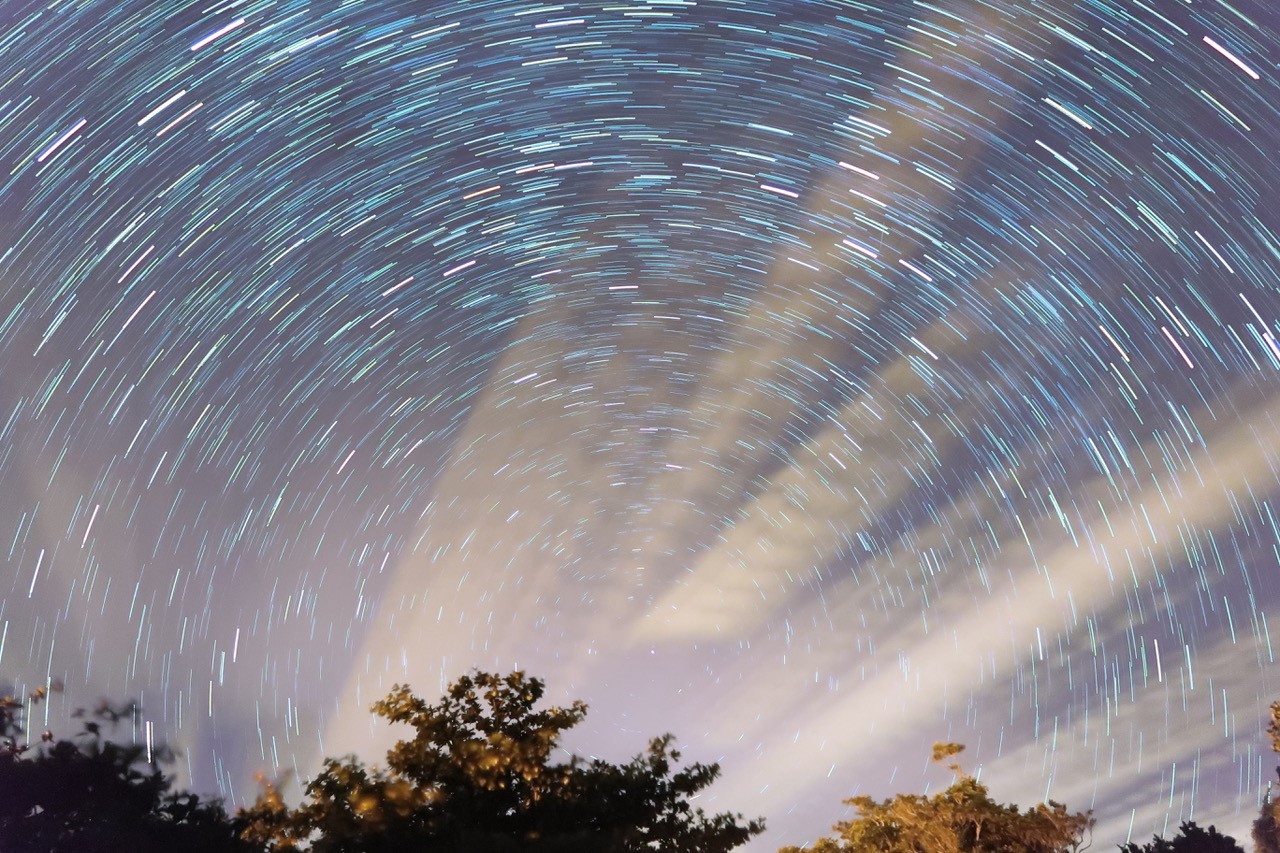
(961, 819)
(90, 795)
(478, 775)
(1190, 839)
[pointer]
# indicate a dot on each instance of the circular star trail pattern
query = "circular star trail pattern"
(817, 380)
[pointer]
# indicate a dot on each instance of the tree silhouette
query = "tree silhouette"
(1190, 839)
(961, 819)
(90, 795)
(478, 775)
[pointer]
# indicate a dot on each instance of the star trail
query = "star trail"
(815, 379)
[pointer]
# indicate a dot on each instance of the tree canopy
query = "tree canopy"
(483, 771)
(961, 819)
(479, 774)
(1266, 828)
(1190, 839)
(90, 795)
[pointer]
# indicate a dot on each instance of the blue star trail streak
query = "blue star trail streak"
(816, 380)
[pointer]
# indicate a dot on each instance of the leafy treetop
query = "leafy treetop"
(478, 774)
(90, 795)
(961, 819)
(1190, 839)
(1266, 827)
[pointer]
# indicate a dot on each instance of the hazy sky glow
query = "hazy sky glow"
(816, 380)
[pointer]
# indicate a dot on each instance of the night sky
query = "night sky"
(815, 380)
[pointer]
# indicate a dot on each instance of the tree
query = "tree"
(90, 795)
(1266, 828)
(1190, 839)
(961, 819)
(478, 775)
